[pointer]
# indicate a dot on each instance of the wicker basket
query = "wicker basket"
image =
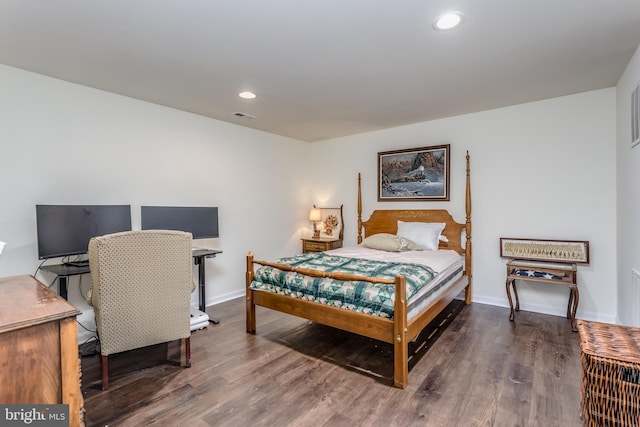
(610, 386)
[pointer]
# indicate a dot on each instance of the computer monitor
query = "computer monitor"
(66, 229)
(200, 221)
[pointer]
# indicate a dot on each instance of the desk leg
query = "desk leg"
(199, 260)
(512, 283)
(574, 298)
(62, 286)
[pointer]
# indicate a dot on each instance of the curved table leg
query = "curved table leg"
(574, 298)
(512, 283)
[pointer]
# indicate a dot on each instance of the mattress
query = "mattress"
(447, 264)
(428, 274)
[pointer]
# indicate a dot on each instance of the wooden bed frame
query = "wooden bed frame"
(397, 331)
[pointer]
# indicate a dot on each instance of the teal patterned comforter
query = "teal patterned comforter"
(364, 297)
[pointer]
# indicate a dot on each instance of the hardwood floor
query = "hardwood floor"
(478, 369)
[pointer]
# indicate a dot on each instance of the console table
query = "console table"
(550, 261)
(563, 274)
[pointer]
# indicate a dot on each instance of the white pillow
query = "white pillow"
(425, 234)
(390, 243)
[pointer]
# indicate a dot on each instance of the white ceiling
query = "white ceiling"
(324, 68)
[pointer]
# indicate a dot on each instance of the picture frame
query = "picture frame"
(565, 251)
(332, 224)
(415, 174)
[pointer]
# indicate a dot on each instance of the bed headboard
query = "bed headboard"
(386, 221)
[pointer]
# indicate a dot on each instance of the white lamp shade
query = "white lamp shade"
(315, 215)
(2, 245)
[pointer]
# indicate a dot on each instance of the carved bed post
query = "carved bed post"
(467, 258)
(400, 341)
(251, 307)
(359, 210)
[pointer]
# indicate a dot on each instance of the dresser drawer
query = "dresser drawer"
(314, 246)
(310, 245)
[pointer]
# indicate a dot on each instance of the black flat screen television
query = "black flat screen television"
(66, 229)
(201, 222)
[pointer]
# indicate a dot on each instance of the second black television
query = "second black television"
(200, 221)
(65, 230)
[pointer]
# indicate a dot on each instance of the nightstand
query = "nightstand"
(321, 244)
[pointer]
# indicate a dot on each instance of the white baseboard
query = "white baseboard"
(225, 297)
(543, 309)
(498, 302)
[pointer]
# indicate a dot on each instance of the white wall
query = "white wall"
(538, 170)
(68, 144)
(628, 172)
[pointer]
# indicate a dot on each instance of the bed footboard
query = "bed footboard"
(386, 330)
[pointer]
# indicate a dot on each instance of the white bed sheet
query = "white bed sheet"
(448, 265)
(438, 260)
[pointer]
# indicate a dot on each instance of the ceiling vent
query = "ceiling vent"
(243, 115)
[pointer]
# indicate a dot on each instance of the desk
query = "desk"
(542, 271)
(64, 271)
(198, 259)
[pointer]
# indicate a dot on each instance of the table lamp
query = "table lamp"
(2, 245)
(315, 215)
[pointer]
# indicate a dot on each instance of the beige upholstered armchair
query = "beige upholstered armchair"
(141, 284)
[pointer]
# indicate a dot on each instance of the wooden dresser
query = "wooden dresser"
(39, 361)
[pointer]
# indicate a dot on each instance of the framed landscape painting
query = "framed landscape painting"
(414, 174)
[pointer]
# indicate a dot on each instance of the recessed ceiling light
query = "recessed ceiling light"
(448, 20)
(247, 95)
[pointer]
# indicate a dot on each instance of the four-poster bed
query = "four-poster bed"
(401, 323)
